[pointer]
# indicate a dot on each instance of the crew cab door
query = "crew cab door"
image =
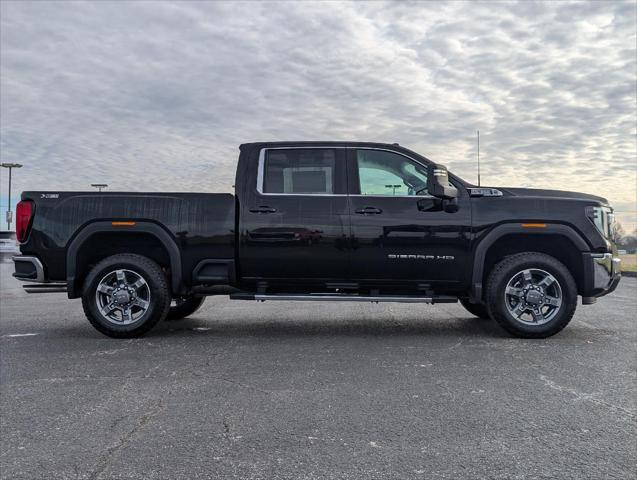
(294, 217)
(399, 233)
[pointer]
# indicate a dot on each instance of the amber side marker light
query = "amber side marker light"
(534, 225)
(122, 224)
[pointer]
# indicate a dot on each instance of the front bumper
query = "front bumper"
(602, 272)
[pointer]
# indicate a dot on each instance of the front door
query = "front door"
(399, 232)
(295, 219)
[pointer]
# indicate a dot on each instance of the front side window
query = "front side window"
(299, 171)
(390, 174)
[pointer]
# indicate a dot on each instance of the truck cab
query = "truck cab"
(359, 215)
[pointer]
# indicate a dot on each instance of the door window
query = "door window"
(389, 174)
(299, 171)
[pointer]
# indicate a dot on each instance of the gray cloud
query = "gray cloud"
(157, 95)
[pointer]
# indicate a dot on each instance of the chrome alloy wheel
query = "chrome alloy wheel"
(122, 297)
(533, 296)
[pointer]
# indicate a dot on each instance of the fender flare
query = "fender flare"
(506, 229)
(107, 227)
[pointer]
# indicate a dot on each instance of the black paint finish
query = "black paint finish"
(312, 242)
(402, 242)
(201, 225)
(292, 237)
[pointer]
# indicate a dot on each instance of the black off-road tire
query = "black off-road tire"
(156, 281)
(184, 307)
(506, 269)
(478, 309)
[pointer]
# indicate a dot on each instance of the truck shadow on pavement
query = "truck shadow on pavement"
(271, 329)
(457, 327)
(202, 327)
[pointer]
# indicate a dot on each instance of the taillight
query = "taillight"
(23, 215)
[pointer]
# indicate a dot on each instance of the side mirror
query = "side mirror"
(429, 204)
(450, 205)
(438, 182)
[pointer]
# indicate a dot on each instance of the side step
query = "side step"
(45, 288)
(345, 297)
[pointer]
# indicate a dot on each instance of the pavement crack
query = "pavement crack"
(587, 397)
(124, 440)
(243, 385)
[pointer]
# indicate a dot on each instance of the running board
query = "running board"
(46, 288)
(330, 297)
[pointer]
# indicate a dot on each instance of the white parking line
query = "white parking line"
(19, 335)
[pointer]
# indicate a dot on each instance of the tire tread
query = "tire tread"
(503, 268)
(157, 275)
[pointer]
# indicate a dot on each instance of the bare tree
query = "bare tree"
(625, 241)
(620, 233)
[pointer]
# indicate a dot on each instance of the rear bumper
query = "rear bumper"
(28, 269)
(602, 272)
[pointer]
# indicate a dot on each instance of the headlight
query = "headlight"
(603, 219)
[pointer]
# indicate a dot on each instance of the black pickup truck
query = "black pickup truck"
(328, 221)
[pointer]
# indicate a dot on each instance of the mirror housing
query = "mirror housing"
(438, 182)
(450, 205)
(438, 205)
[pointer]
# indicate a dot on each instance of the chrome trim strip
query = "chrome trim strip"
(390, 196)
(345, 298)
(39, 269)
(260, 173)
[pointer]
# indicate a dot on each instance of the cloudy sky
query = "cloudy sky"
(158, 95)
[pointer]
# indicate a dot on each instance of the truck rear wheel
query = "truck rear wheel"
(182, 307)
(125, 295)
(531, 295)
(478, 309)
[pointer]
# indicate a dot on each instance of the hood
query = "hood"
(539, 192)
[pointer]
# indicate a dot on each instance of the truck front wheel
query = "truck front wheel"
(125, 295)
(531, 295)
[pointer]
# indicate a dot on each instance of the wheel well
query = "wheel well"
(557, 246)
(104, 244)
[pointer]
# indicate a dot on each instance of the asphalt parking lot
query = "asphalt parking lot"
(309, 391)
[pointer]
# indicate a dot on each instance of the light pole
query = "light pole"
(99, 186)
(478, 158)
(393, 187)
(10, 166)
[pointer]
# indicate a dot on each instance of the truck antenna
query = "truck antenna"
(478, 158)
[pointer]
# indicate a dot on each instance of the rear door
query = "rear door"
(295, 219)
(399, 232)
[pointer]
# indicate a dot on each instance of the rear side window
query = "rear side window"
(299, 171)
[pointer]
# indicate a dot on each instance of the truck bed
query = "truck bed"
(201, 224)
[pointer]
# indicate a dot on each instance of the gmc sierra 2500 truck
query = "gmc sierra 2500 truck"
(328, 221)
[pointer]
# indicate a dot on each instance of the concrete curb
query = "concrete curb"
(629, 274)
